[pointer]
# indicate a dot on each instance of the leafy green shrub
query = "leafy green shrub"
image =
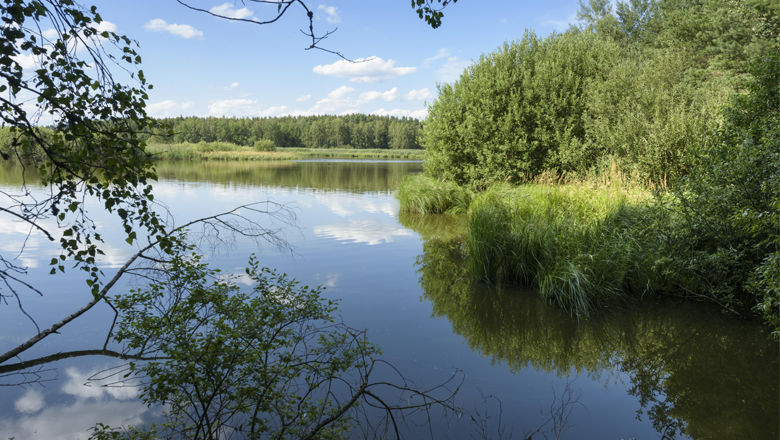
(644, 114)
(265, 145)
(572, 102)
(516, 112)
(422, 195)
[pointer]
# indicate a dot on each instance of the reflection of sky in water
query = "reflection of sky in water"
(371, 231)
(374, 219)
(67, 408)
(38, 418)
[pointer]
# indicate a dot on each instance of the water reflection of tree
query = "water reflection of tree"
(343, 176)
(354, 176)
(692, 369)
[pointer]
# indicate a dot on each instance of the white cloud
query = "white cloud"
(502, 20)
(451, 70)
(417, 114)
(332, 11)
(181, 30)
(340, 92)
(30, 403)
(338, 101)
(274, 111)
(50, 34)
(233, 107)
(66, 420)
(167, 108)
(329, 105)
(232, 86)
(419, 95)
(368, 70)
(441, 53)
(26, 61)
(105, 26)
(333, 278)
(245, 107)
(227, 10)
(385, 96)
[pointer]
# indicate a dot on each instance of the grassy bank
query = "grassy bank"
(590, 242)
(213, 151)
(419, 194)
(228, 151)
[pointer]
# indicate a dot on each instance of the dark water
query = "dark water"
(641, 371)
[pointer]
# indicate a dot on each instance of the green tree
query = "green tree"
(92, 148)
(263, 364)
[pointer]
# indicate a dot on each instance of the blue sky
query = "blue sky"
(205, 66)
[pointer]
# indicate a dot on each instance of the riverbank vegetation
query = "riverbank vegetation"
(228, 151)
(635, 154)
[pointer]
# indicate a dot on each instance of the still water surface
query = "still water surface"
(639, 371)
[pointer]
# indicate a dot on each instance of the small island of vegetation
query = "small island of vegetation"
(636, 154)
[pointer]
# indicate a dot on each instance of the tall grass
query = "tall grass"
(576, 242)
(423, 195)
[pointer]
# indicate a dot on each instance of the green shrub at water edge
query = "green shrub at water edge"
(423, 195)
(265, 145)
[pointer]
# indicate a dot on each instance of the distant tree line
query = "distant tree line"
(325, 131)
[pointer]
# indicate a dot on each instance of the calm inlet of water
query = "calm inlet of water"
(639, 372)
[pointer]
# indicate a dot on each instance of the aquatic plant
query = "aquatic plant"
(421, 194)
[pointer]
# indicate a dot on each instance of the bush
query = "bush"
(644, 114)
(572, 242)
(571, 102)
(516, 112)
(265, 145)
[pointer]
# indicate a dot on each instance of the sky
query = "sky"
(200, 65)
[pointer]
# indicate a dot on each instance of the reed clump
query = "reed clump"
(423, 195)
(575, 242)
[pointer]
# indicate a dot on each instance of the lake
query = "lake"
(637, 371)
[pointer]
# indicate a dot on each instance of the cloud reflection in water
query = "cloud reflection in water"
(113, 406)
(369, 231)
